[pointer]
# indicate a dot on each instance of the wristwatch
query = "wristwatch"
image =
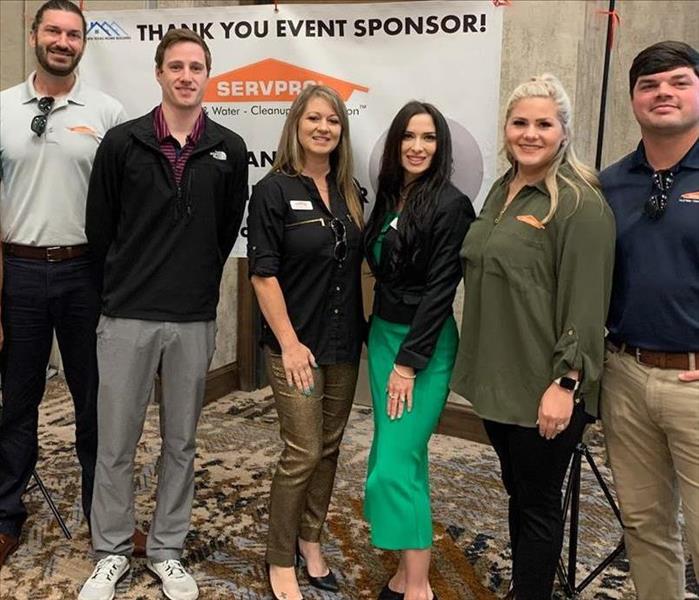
(568, 383)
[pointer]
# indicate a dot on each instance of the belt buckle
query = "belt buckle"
(49, 257)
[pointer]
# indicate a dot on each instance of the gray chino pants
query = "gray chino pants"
(129, 352)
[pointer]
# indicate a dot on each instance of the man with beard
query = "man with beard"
(50, 127)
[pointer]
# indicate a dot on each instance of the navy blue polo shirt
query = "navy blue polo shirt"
(655, 293)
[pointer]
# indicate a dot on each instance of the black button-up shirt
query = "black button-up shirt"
(290, 238)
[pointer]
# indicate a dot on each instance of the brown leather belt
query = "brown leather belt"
(660, 360)
(47, 253)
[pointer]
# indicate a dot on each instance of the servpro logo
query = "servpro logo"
(271, 80)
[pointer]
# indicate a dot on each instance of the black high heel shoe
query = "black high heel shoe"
(327, 583)
(388, 594)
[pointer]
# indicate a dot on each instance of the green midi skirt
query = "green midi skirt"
(397, 496)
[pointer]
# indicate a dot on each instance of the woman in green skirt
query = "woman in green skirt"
(412, 244)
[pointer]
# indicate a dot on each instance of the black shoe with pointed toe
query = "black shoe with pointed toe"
(327, 582)
(388, 594)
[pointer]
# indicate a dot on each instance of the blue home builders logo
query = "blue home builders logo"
(105, 30)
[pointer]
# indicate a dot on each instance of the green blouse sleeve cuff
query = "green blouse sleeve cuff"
(567, 353)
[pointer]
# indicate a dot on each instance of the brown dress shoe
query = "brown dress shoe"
(139, 543)
(8, 544)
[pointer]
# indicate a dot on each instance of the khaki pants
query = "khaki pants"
(651, 424)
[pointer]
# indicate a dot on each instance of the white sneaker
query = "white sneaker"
(177, 583)
(101, 585)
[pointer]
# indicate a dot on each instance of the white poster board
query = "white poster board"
(377, 56)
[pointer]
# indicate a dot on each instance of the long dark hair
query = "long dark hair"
(420, 195)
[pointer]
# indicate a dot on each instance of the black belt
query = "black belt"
(46, 253)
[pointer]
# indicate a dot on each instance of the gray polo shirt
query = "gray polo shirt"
(45, 179)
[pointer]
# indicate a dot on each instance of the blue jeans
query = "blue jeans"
(39, 298)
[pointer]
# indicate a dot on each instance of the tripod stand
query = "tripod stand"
(571, 502)
(38, 483)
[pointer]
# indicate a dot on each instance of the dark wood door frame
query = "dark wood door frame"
(249, 354)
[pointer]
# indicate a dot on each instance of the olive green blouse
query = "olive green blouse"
(535, 299)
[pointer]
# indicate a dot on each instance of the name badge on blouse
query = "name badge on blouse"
(394, 223)
(301, 205)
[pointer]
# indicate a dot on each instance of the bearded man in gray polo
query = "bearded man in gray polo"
(50, 128)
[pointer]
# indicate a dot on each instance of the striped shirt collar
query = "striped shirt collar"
(162, 131)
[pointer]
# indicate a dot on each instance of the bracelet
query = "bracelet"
(403, 375)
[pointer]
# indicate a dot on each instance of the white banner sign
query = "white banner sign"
(377, 56)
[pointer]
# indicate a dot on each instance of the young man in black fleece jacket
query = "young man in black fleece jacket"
(166, 199)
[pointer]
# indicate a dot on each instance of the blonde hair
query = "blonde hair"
(290, 157)
(548, 86)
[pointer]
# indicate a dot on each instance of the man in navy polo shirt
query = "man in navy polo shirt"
(650, 397)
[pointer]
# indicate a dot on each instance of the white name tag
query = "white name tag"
(394, 223)
(301, 205)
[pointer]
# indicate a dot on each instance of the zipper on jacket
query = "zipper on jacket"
(308, 222)
(178, 203)
(188, 195)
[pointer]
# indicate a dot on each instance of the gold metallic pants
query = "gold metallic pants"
(311, 428)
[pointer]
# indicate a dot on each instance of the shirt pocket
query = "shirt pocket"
(520, 258)
(307, 235)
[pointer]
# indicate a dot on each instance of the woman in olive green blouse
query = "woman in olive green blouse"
(538, 268)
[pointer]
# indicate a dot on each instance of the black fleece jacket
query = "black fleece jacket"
(158, 249)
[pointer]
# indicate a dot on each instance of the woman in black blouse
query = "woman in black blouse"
(304, 250)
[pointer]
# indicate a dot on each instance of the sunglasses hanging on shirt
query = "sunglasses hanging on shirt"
(340, 232)
(655, 205)
(38, 124)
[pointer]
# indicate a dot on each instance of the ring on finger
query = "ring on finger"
(560, 426)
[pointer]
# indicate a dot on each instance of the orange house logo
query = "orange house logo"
(271, 80)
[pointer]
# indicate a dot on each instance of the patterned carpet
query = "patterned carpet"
(238, 448)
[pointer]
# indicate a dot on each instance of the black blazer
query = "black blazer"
(422, 296)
